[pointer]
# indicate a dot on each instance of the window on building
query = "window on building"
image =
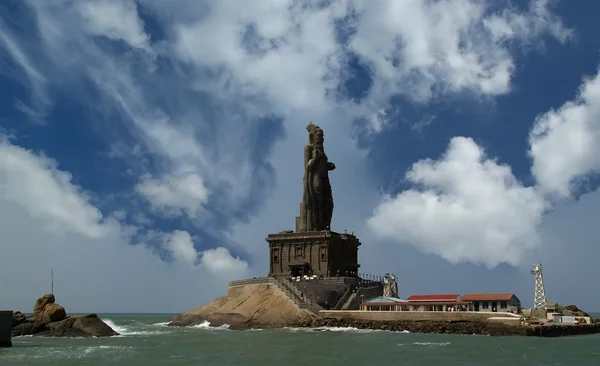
(275, 255)
(299, 251)
(503, 304)
(323, 253)
(485, 305)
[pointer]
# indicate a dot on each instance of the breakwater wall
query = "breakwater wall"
(5, 328)
(563, 330)
(483, 323)
(418, 315)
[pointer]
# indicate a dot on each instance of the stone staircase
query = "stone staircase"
(349, 302)
(290, 289)
(287, 287)
(365, 293)
(344, 299)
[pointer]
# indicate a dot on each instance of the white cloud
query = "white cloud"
(115, 19)
(47, 193)
(417, 48)
(427, 48)
(565, 143)
(510, 24)
(219, 261)
(47, 221)
(31, 76)
(181, 246)
(470, 209)
(174, 194)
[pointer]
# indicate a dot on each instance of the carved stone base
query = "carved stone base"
(320, 253)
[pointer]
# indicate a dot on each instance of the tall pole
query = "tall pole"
(52, 281)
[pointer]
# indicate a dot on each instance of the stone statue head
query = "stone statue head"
(315, 134)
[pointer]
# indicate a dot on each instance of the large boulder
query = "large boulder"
(18, 318)
(29, 327)
(79, 326)
(93, 326)
(573, 309)
(50, 319)
(53, 313)
(41, 303)
(261, 305)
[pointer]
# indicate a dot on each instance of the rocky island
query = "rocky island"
(51, 320)
(313, 281)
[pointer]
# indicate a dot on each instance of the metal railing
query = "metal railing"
(365, 287)
(344, 298)
(252, 281)
(294, 294)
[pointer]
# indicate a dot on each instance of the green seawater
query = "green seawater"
(146, 340)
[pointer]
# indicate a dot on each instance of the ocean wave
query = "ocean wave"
(206, 325)
(131, 331)
(161, 324)
(432, 344)
(343, 329)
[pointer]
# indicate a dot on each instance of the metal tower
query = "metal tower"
(539, 299)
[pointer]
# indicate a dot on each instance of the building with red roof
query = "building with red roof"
(504, 302)
(444, 297)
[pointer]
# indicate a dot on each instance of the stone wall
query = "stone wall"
(5, 328)
(408, 315)
(321, 253)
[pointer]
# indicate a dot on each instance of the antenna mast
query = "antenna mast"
(539, 299)
(52, 281)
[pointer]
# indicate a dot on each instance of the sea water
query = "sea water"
(146, 340)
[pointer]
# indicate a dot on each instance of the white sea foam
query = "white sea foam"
(125, 331)
(206, 325)
(432, 344)
(342, 329)
(117, 328)
(161, 324)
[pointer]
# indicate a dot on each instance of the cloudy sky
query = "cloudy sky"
(148, 147)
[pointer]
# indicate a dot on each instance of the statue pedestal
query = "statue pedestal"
(321, 253)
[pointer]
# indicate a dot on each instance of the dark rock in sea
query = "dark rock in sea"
(79, 326)
(94, 326)
(50, 320)
(53, 313)
(29, 327)
(18, 318)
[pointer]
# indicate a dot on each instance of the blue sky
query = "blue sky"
(148, 147)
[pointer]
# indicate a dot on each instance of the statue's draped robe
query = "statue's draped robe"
(317, 198)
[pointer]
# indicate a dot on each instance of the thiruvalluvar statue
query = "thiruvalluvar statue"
(317, 201)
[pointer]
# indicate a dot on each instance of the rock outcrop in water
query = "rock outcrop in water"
(51, 320)
(247, 306)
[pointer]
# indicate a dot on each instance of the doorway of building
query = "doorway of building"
(476, 306)
(494, 306)
(298, 271)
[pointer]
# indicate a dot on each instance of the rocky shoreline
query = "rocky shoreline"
(425, 326)
(457, 327)
(50, 320)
